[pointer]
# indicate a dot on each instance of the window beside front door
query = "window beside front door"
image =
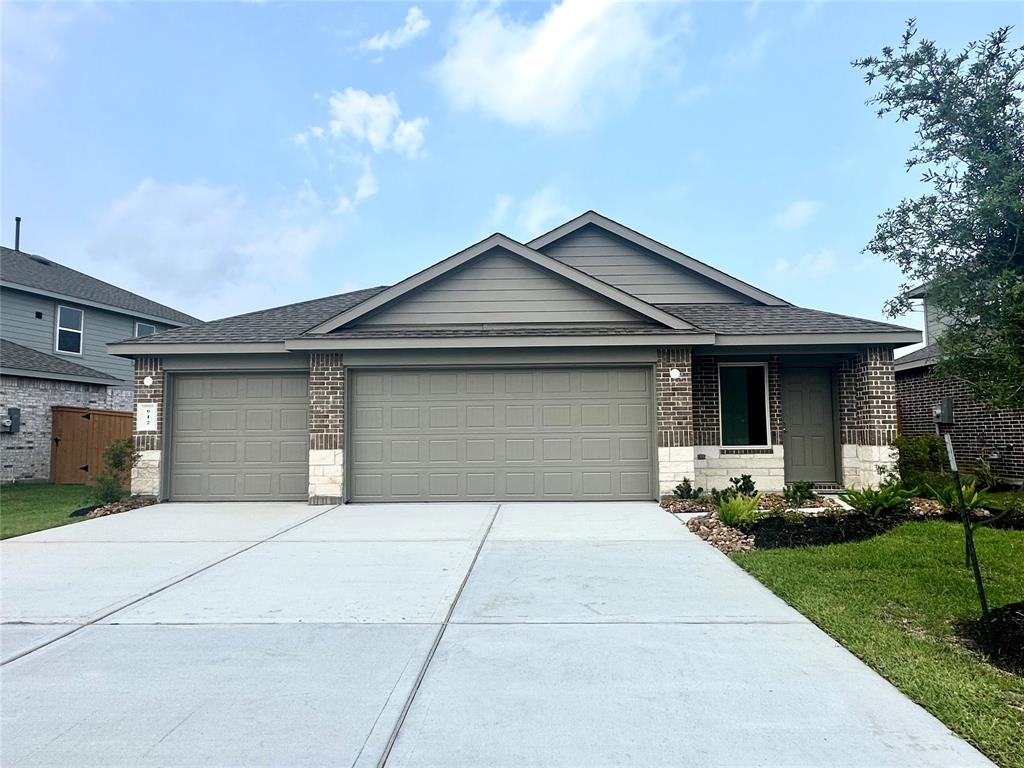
(70, 327)
(743, 404)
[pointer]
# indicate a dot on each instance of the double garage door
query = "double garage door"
(544, 434)
(239, 437)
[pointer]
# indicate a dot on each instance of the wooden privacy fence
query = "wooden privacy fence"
(78, 439)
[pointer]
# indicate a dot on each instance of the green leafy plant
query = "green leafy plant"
(739, 511)
(718, 496)
(947, 497)
(119, 458)
(798, 493)
(685, 490)
(876, 502)
(920, 460)
(987, 476)
(743, 485)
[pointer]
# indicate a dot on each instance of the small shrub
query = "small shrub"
(987, 477)
(739, 511)
(109, 485)
(743, 485)
(919, 458)
(685, 490)
(877, 502)
(947, 497)
(718, 496)
(798, 493)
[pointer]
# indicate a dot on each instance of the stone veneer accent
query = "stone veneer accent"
(867, 414)
(977, 431)
(25, 454)
(146, 473)
(326, 427)
(674, 398)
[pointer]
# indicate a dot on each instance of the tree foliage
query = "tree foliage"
(963, 237)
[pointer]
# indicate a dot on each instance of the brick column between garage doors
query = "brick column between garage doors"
(674, 397)
(326, 427)
(146, 473)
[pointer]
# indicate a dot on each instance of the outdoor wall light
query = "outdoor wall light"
(148, 381)
(674, 373)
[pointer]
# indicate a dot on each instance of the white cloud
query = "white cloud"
(416, 24)
(797, 214)
(33, 39)
(206, 249)
(359, 118)
(526, 219)
(820, 262)
(559, 71)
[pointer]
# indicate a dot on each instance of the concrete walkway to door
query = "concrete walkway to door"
(424, 635)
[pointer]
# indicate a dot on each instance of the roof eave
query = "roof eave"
(502, 342)
(195, 348)
(893, 338)
(90, 303)
(29, 373)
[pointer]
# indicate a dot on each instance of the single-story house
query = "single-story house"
(978, 432)
(592, 362)
(56, 323)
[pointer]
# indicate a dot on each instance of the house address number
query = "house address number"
(145, 417)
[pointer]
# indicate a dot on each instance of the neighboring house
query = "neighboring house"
(55, 325)
(590, 363)
(978, 432)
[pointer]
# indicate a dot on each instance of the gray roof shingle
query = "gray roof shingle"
(266, 325)
(16, 357)
(395, 332)
(32, 271)
(919, 358)
(755, 319)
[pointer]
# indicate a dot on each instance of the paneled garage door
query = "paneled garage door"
(239, 437)
(502, 434)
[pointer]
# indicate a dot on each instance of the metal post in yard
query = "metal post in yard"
(972, 555)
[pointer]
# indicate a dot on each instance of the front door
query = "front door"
(808, 420)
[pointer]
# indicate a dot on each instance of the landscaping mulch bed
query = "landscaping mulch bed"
(1004, 639)
(121, 506)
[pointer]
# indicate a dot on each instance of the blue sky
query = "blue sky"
(225, 157)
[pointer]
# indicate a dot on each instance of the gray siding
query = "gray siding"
(18, 323)
(934, 323)
(500, 288)
(645, 275)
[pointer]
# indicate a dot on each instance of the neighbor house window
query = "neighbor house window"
(69, 330)
(743, 404)
(144, 329)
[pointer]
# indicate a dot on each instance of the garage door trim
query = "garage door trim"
(167, 433)
(349, 370)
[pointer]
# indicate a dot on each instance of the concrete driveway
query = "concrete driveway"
(424, 635)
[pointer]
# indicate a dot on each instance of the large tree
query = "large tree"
(962, 238)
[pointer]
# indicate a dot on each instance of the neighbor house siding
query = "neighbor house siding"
(977, 431)
(19, 324)
(500, 289)
(647, 276)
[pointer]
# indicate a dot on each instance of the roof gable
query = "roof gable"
(528, 288)
(703, 280)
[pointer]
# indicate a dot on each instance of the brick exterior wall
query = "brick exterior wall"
(706, 426)
(326, 402)
(25, 455)
(674, 398)
(150, 366)
(977, 431)
(867, 397)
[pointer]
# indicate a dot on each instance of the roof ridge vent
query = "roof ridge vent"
(40, 259)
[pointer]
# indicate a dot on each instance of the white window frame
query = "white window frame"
(138, 323)
(58, 328)
(767, 410)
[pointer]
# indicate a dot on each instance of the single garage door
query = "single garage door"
(552, 434)
(239, 437)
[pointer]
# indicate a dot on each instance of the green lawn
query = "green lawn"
(29, 507)
(894, 600)
(1001, 499)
